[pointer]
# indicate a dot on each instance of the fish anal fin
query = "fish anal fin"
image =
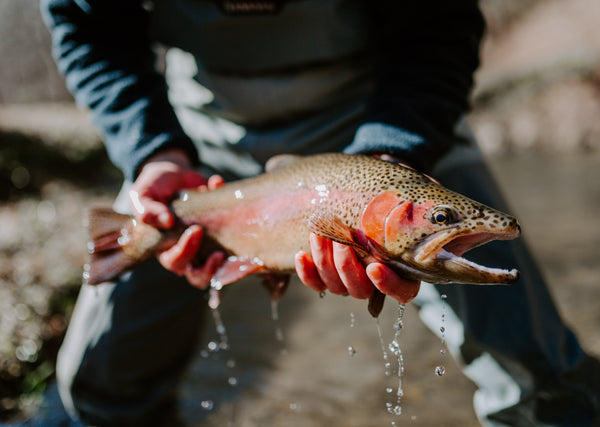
(276, 284)
(236, 268)
(332, 228)
(376, 303)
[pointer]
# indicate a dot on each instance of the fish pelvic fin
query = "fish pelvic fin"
(236, 268)
(115, 245)
(332, 228)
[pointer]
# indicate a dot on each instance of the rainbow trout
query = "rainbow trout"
(386, 212)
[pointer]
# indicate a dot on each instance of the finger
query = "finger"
(200, 277)
(177, 257)
(156, 214)
(391, 284)
(191, 179)
(307, 272)
(215, 181)
(351, 271)
(322, 254)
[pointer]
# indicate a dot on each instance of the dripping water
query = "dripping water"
(395, 407)
(221, 344)
(275, 318)
(279, 336)
(351, 349)
(440, 369)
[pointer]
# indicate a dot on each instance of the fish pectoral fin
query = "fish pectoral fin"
(332, 228)
(234, 269)
(279, 161)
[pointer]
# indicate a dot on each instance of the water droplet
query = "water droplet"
(207, 404)
(231, 363)
(444, 296)
(322, 294)
(212, 346)
(442, 351)
(351, 351)
(352, 320)
(389, 390)
(232, 381)
(442, 329)
(440, 370)
(214, 296)
(294, 406)
(397, 410)
(413, 418)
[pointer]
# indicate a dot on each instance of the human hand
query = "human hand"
(335, 267)
(161, 177)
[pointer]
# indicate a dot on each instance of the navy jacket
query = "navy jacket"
(424, 52)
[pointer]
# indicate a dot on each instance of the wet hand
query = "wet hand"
(335, 267)
(160, 179)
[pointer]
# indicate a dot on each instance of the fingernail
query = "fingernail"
(165, 219)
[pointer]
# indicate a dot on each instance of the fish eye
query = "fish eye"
(443, 215)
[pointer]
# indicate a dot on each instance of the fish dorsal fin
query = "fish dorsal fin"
(280, 161)
(331, 227)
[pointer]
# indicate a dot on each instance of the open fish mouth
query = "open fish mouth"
(442, 252)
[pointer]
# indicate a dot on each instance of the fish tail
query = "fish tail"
(110, 246)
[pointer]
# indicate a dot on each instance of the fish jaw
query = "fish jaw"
(440, 256)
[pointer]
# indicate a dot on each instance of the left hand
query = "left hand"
(335, 267)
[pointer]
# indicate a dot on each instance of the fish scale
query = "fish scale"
(389, 213)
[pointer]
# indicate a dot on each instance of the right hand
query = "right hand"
(161, 177)
(335, 267)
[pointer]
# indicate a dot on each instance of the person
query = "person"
(245, 80)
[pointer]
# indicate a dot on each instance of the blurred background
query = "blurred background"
(536, 114)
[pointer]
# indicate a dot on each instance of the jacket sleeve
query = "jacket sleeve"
(104, 50)
(428, 52)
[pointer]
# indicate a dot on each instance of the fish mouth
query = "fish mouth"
(441, 254)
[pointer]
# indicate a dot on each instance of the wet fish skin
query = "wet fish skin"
(387, 212)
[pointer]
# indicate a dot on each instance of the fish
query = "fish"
(385, 211)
